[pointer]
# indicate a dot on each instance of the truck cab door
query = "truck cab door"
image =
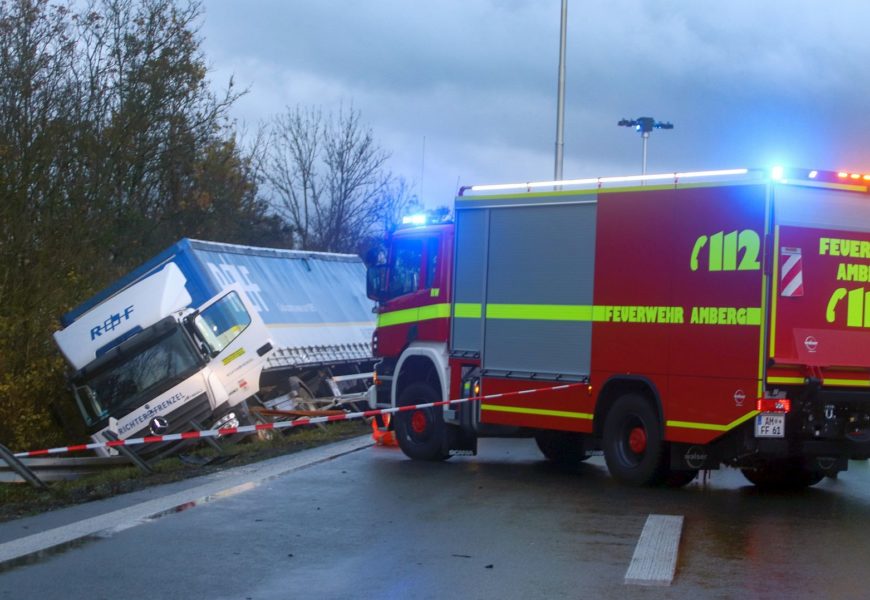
(415, 304)
(233, 334)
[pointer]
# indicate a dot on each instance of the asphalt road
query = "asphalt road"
(504, 524)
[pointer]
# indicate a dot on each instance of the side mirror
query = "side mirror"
(375, 277)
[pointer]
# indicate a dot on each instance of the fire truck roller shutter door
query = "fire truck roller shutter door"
(545, 256)
(470, 270)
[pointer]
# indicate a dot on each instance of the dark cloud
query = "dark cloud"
(745, 82)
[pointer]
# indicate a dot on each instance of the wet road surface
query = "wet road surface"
(504, 524)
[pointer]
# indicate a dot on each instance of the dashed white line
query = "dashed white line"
(655, 556)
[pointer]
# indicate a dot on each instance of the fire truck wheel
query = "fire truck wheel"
(781, 475)
(421, 433)
(562, 447)
(632, 442)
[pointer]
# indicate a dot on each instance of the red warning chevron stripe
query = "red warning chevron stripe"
(792, 273)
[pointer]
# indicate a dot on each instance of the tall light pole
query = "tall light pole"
(644, 125)
(560, 102)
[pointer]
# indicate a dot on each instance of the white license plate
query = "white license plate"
(770, 425)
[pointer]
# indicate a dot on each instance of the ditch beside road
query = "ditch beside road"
(20, 500)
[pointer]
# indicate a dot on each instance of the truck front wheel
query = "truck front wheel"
(632, 440)
(421, 433)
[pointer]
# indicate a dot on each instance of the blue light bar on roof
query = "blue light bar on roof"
(418, 219)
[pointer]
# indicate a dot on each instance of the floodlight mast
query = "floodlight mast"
(560, 98)
(644, 125)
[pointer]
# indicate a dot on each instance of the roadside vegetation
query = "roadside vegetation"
(114, 144)
(21, 500)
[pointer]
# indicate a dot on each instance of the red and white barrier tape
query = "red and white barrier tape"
(191, 435)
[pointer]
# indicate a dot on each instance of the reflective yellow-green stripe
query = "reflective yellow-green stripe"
(588, 416)
(774, 285)
(414, 315)
(539, 312)
(827, 381)
(787, 380)
(537, 411)
(765, 293)
(846, 382)
(466, 311)
(712, 426)
(579, 313)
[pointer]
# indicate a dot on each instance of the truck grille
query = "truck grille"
(198, 409)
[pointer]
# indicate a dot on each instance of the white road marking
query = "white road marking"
(655, 556)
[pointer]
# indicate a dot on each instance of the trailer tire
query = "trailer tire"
(304, 399)
(562, 447)
(421, 433)
(632, 440)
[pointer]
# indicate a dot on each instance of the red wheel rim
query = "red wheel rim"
(418, 421)
(637, 440)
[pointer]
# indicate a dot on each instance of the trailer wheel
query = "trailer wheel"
(782, 475)
(562, 447)
(421, 433)
(632, 441)
(304, 398)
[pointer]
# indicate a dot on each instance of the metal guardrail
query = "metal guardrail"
(60, 468)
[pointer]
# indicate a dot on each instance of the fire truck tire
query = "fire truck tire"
(781, 475)
(632, 440)
(421, 433)
(562, 447)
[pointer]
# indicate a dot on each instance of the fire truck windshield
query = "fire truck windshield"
(405, 266)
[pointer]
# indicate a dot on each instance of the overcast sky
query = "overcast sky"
(746, 83)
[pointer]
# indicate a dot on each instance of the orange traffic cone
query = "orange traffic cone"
(382, 434)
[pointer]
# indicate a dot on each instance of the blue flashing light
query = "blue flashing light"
(418, 219)
(776, 173)
(813, 174)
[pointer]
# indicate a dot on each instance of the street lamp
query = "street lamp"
(644, 125)
(560, 98)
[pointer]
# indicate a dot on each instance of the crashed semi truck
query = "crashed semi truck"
(205, 331)
(704, 319)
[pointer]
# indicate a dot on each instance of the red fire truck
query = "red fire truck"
(705, 318)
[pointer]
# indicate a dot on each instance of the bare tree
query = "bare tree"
(328, 177)
(398, 201)
(112, 146)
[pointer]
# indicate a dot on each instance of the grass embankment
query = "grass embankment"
(20, 500)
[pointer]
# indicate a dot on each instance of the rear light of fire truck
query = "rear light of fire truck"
(769, 405)
(846, 175)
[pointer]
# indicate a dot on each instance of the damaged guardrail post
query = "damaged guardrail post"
(129, 454)
(209, 440)
(20, 468)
